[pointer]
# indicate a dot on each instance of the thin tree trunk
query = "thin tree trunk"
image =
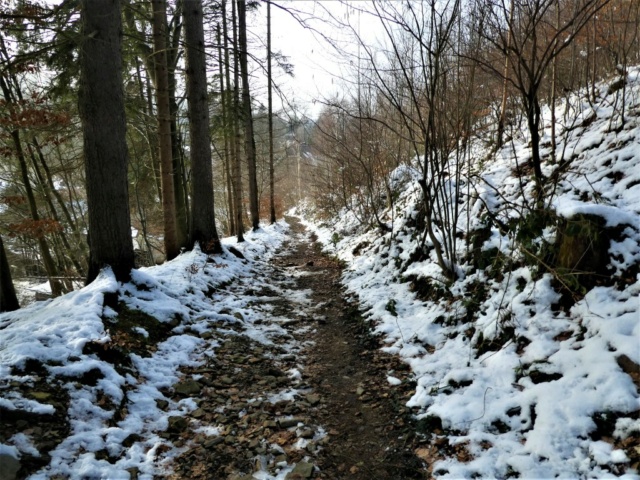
(225, 129)
(180, 181)
(249, 140)
(272, 205)
(237, 166)
(46, 193)
(503, 103)
(203, 225)
(171, 245)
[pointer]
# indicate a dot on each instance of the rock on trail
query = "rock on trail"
(311, 400)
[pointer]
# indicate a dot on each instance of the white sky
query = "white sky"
(318, 70)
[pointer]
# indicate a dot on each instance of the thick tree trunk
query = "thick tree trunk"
(203, 225)
(249, 140)
(105, 147)
(172, 248)
(8, 299)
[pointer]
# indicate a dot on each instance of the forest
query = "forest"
(432, 271)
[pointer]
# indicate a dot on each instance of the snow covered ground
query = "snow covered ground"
(64, 342)
(526, 385)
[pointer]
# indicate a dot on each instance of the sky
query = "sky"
(318, 69)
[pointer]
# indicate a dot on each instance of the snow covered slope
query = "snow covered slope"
(521, 370)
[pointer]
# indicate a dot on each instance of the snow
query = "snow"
(546, 426)
(55, 333)
(490, 401)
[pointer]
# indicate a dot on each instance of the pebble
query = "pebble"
(9, 466)
(300, 471)
(289, 422)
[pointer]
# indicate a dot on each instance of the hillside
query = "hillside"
(255, 364)
(528, 364)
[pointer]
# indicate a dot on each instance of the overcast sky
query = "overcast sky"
(318, 69)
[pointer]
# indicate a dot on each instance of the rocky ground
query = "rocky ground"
(309, 394)
(336, 416)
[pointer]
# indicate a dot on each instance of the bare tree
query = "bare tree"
(531, 34)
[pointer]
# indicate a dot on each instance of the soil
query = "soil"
(366, 431)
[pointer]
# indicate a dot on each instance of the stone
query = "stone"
(133, 473)
(177, 424)
(300, 471)
(40, 396)
(307, 433)
(239, 316)
(289, 422)
(188, 387)
(162, 404)
(313, 398)
(198, 413)
(9, 466)
(212, 442)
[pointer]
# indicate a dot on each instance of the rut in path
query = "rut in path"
(341, 419)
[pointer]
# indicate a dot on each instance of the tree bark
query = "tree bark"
(8, 299)
(180, 188)
(224, 86)
(202, 223)
(105, 148)
(172, 248)
(237, 138)
(249, 140)
(272, 205)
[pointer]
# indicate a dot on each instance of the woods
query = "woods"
(442, 74)
(308, 239)
(186, 105)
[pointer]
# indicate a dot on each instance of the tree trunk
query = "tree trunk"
(203, 225)
(249, 141)
(180, 183)
(505, 84)
(105, 147)
(8, 299)
(172, 248)
(224, 86)
(237, 167)
(272, 205)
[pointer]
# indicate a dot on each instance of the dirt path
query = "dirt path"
(317, 403)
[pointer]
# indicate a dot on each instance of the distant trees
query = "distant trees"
(427, 89)
(46, 217)
(530, 35)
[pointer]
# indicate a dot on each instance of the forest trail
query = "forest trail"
(314, 404)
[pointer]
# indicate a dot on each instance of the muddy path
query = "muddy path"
(315, 402)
